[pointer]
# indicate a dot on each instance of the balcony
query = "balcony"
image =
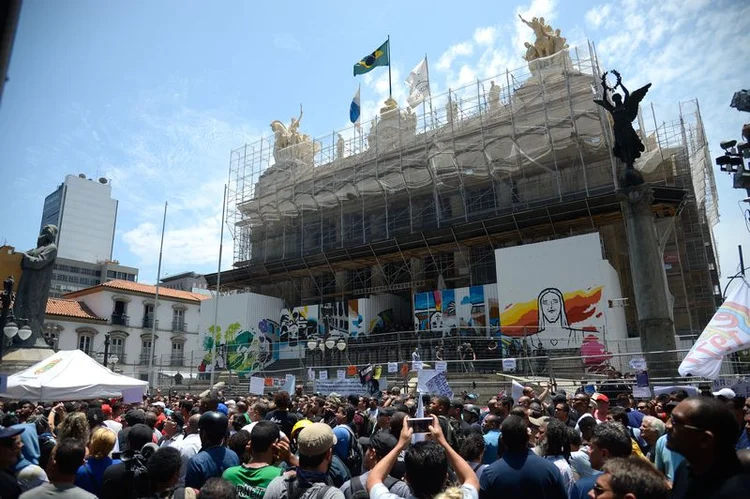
(176, 360)
(179, 326)
(120, 319)
(143, 360)
(148, 322)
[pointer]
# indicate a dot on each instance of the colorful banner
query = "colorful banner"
(728, 332)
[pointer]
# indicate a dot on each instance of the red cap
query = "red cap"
(601, 397)
(106, 410)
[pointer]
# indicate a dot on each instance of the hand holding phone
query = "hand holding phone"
(420, 425)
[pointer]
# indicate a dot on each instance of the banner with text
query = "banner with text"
(347, 386)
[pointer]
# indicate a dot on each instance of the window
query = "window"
(145, 350)
(177, 356)
(178, 319)
(117, 348)
(75, 270)
(148, 315)
(53, 339)
(111, 274)
(84, 343)
(131, 277)
(98, 273)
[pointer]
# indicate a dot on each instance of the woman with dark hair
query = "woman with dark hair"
(555, 447)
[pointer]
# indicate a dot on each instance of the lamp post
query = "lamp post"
(6, 298)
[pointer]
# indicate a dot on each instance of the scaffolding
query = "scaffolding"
(419, 199)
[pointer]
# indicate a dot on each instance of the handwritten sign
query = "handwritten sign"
(323, 375)
(347, 386)
(509, 365)
(256, 385)
(341, 374)
(441, 366)
(393, 367)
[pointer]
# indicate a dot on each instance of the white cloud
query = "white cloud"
(485, 36)
(458, 50)
(286, 41)
(596, 16)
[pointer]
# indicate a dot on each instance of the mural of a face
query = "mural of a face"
(436, 321)
(551, 305)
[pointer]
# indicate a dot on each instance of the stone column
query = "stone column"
(652, 301)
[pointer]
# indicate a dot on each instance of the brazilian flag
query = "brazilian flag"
(380, 57)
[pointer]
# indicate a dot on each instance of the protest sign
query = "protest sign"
(257, 385)
(392, 367)
(441, 366)
(323, 375)
(289, 381)
(509, 365)
(340, 374)
(132, 395)
(347, 386)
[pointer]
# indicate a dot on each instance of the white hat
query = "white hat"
(160, 404)
(727, 393)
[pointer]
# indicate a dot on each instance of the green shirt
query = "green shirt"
(251, 483)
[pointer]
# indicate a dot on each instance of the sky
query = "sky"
(155, 95)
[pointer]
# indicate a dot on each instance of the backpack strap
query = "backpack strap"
(322, 492)
(390, 481)
(179, 493)
(476, 467)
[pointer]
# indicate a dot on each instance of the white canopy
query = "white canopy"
(68, 375)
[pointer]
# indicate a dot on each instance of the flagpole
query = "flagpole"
(390, 88)
(218, 294)
(427, 66)
(156, 303)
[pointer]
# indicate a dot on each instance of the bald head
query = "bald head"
(192, 424)
(491, 421)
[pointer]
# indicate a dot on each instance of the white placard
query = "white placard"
(641, 392)
(256, 385)
(691, 390)
(132, 395)
(348, 386)
(3, 381)
(438, 385)
(509, 365)
(423, 376)
(311, 373)
(323, 375)
(340, 374)
(416, 365)
(516, 390)
(441, 366)
(393, 367)
(289, 381)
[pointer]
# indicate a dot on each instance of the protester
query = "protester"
(491, 426)
(633, 478)
(127, 479)
(519, 472)
(163, 470)
(281, 415)
(609, 440)
(705, 431)
(602, 407)
(213, 459)
(90, 475)
(555, 447)
(65, 459)
(651, 429)
(472, 450)
(251, 479)
(426, 466)
(378, 446)
(10, 452)
(173, 432)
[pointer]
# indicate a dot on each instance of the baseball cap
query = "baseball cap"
(383, 443)
(727, 393)
(538, 421)
(9, 432)
(160, 404)
(315, 439)
(472, 409)
(600, 397)
(222, 408)
(106, 409)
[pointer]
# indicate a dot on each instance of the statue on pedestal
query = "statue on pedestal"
(494, 96)
(33, 290)
(548, 41)
(301, 144)
(628, 146)
(340, 147)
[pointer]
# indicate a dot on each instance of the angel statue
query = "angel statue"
(628, 146)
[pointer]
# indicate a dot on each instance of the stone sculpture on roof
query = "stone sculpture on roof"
(548, 41)
(289, 143)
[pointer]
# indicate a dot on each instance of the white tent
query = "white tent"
(68, 375)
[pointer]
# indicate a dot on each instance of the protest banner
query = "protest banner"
(256, 385)
(347, 386)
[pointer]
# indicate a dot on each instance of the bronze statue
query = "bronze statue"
(628, 146)
(33, 290)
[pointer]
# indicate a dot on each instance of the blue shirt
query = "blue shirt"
(744, 441)
(491, 444)
(666, 460)
(95, 470)
(522, 474)
(208, 463)
(581, 489)
(343, 439)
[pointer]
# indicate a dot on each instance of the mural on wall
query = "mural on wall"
(238, 350)
(337, 315)
(297, 324)
(554, 312)
(356, 321)
(468, 310)
(554, 294)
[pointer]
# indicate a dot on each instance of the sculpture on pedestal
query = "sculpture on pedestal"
(300, 144)
(628, 146)
(340, 146)
(33, 290)
(548, 41)
(494, 96)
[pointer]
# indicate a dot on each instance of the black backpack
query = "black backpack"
(354, 457)
(292, 489)
(358, 490)
(136, 467)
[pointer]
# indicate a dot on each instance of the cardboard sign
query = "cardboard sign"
(509, 365)
(323, 375)
(341, 374)
(392, 367)
(441, 366)
(132, 395)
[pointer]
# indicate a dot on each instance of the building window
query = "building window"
(177, 353)
(120, 314)
(117, 348)
(98, 273)
(84, 343)
(111, 274)
(148, 315)
(131, 277)
(178, 320)
(75, 270)
(145, 350)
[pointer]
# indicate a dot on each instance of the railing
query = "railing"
(176, 360)
(148, 321)
(143, 360)
(179, 325)
(120, 319)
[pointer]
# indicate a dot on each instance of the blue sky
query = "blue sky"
(154, 95)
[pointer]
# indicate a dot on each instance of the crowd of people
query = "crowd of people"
(547, 444)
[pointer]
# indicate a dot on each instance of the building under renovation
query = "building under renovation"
(420, 199)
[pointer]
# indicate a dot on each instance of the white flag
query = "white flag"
(728, 332)
(419, 84)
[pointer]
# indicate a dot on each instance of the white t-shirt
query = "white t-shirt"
(565, 469)
(380, 491)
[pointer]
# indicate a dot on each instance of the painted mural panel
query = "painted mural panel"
(468, 310)
(245, 336)
(556, 293)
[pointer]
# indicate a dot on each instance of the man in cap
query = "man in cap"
(172, 434)
(602, 407)
(122, 480)
(159, 407)
(10, 451)
(378, 446)
(470, 422)
(315, 443)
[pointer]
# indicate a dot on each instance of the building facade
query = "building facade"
(186, 281)
(74, 275)
(86, 215)
(123, 312)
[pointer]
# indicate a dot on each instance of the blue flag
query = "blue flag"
(354, 108)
